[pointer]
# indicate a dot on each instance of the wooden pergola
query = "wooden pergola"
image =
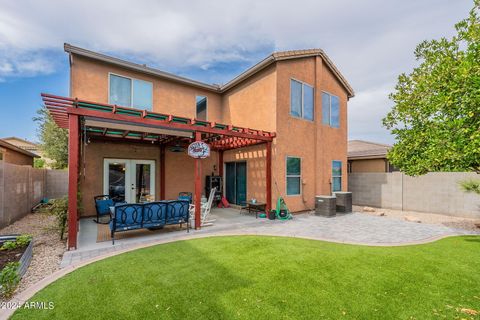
(117, 123)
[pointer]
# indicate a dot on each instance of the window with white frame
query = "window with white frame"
(330, 110)
(130, 92)
(294, 175)
(336, 175)
(301, 100)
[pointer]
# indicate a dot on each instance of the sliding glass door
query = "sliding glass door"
(236, 182)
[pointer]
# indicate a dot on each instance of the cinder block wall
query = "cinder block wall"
(56, 183)
(23, 187)
(436, 192)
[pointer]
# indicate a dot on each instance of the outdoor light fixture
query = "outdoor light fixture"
(177, 148)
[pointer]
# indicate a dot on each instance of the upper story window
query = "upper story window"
(330, 110)
(130, 92)
(201, 107)
(294, 174)
(301, 100)
(336, 175)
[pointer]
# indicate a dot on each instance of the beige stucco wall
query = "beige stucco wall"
(368, 165)
(252, 103)
(180, 172)
(316, 144)
(89, 81)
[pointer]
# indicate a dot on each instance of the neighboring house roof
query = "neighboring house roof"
(360, 149)
(22, 143)
(12, 147)
(276, 56)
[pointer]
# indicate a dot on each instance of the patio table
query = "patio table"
(254, 207)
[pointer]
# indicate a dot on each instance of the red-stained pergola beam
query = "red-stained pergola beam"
(198, 186)
(157, 123)
(162, 172)
(268, 176)
(232, 143)
(73, 156)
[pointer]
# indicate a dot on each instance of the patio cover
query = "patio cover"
(106, 121)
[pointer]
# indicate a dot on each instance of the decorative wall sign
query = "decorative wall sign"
(199, 150)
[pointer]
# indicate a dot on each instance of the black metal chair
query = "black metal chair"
(102, 206)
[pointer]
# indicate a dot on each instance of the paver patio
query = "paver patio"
(355, 228)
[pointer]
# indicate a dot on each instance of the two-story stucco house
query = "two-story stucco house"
(277, 129)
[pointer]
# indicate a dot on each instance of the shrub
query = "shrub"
(59, 209)
(9, 279)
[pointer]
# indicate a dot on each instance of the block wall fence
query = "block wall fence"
(436, 192)
(23, 187)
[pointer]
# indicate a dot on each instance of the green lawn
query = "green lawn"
(249, 277)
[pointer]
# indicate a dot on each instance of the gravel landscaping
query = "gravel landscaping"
(47, 246)
(422, 217)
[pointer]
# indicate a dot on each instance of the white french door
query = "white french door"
(132, 181)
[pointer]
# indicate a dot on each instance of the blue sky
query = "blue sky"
(370, 41)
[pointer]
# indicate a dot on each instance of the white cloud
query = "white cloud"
(370, 41)
(370, 107)
(25, 64)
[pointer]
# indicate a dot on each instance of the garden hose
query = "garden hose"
(282, 211)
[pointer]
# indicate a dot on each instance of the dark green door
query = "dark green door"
(236, 182)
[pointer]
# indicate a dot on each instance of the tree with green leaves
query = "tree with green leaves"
(53, 140)
(436, 116)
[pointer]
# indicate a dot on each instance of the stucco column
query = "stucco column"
(198, 185)
(73, 145)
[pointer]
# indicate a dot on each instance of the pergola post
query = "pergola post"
(162, 172)
(220, 163)
(73, 156)
(198, 185)
(268, 175)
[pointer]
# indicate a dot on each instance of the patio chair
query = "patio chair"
(205, 210)
(102, 206)
(185, 196)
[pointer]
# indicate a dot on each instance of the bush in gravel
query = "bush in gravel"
(59, 209)
(9, 279)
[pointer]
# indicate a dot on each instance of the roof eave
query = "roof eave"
(272, 58)
(137, 67)
(367, 157)
(17, 149)
(249, 72)
(218, 89)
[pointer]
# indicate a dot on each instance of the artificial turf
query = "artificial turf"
(256, 277)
